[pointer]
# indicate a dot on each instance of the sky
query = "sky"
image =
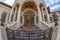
(10, 2)
(53, 4)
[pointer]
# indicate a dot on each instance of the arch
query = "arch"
(43, 12)
(17, 6)
(29, 17)
(14, 12)
(29, 4)
(29, 10)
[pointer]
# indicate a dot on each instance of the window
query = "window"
(16, 17)
(51, 19)
(8, 16)
(37, 19)
(16, 13)
(45, 16)
(21, 19)
(48, 10)
(3, 17)
(43, 9)
(12, 17)
(55, 18)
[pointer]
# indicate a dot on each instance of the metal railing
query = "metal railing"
(18, 35)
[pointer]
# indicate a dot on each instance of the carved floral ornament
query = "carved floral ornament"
(29, 5)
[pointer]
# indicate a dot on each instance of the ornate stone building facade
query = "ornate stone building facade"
(28, 20)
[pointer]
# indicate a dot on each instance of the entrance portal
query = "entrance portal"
(29, 31)
(29, 20)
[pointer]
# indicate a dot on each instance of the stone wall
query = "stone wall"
(3, 35)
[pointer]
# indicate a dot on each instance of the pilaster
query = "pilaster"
(15, 13)
(40, 17)
(39, 13)
(43, 14)
(7, 17)
(11, 13)
(18, 16)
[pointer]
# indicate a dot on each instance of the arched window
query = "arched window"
(17, 8)
(12, 14)
(48, 10)
(15, 11)
(55, 18)
(8, 16)
(41, 9)
(21, 19)
(16, 17)
(43, 12)
(45, 17)
(51, 19)
(3, 17)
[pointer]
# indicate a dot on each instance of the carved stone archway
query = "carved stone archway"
(28, 5)
(29, 19)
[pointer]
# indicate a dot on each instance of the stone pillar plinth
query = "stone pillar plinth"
(58, 34)
(54, 33)
(3, 35)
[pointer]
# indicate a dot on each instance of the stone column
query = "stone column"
(43, 14)
(39, 13)
(40, 17)
(15, 13)
(11, 13)
(3, 35)
(18, 16)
